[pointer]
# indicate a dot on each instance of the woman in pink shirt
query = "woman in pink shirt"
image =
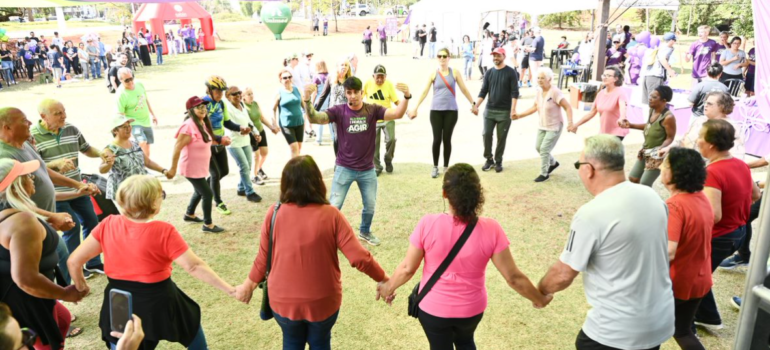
(453, 308)
(610, 103)
(192, 153)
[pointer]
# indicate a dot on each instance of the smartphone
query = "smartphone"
(121, 309)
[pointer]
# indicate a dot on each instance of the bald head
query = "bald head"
(14, 127)
(7, 114)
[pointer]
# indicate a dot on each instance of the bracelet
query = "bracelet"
(408, 98)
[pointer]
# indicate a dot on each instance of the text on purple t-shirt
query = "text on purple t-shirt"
(616, 56)
(701, 54)
(355, 134)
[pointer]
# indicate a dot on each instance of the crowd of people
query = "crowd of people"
(646, 263)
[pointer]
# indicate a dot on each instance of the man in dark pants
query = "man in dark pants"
(423, 34)
(502, 85)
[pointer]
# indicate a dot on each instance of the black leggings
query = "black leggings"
(202, 191)
(30, 70)
(443, 123)
(584, 342)
(449, 333)
(684, 311)
(218, 169)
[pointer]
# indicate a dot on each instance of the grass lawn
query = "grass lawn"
(535, 217)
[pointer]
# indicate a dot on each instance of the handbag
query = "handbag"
(265, 311)
(417, 295)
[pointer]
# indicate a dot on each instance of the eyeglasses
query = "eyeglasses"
(287, 77)
(128, 80)
(235, 93)
(200, 107)
(28, 338)
(442, 56)
(31, 176)
(579, 163)
(608, 76)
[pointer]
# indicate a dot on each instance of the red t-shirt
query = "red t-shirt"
(732, 177)
(690, 220)
(138, 252)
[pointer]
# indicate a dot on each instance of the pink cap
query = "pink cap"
(18, 169)
(499, 50)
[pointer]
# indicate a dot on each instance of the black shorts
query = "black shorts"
(262, 143)
(525, 62)
(749, 86)
(293, 133)
(315, 28)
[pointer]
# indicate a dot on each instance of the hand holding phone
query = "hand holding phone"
(121, 309)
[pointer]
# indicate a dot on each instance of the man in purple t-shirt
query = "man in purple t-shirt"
(383, 40)
(356, 131)
(702, 52)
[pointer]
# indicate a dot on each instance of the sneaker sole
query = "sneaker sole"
(734, 304)
(733, 267)
(368, 241)
(710, 327)
(93, 271)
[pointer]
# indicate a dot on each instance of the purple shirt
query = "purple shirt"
(701, 53)
(356, 131)
(720, 50)
(381, 30)
(367, 34)
(753, 58)
(615, 56)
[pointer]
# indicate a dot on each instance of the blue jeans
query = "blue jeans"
(8, 71)
(367, 184)
(198, 343)
(64, 254)
(244, 158)
(159, 50)
(103, 60)
(96, 69)
(432, 49)
(297, 333)
(722, 247)
(468, 68)
(320, 135)
(82, 212)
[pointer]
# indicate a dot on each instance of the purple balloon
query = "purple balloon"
(654, 42)
(643, 38)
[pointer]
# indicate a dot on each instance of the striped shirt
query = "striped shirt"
(66, 144)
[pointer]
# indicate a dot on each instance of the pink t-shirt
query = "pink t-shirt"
(609, 111)
(194, 159)
(461, 292)
(548, 108)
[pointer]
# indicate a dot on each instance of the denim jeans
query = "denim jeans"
(546, 141)
(721, 248)
(64, 254)
(244, 158)
(367, 184)
(389, 129)
(159, 50)
(96, 69)
(320, 135)
(432, 49)
(198, 343)
(468, 68)
(8, 71)
(82, 211)
(298, 333)
(743, 251)
(103, 60)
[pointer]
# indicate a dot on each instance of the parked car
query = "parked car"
(360, 10)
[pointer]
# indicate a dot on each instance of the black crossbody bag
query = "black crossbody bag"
(417, 295)
(265, 311)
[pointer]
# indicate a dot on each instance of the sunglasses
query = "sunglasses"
(579, 163)
(200, 106)
(28, 338)
(235, 93)
(31, 176)
(128, 80)
(442, 56)
(616, 42)
(287, 77)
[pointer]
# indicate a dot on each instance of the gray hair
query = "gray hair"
(15, 195)
(44, 108)
(547, 71)
(724, 100)
(607, 150)
(125, 70)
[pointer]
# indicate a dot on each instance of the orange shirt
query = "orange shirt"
(690, 221)
(138, 252)
(305, 280)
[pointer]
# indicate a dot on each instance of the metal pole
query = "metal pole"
(600, 51)
(755, 277)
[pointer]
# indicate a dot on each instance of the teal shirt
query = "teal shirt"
(291, 108)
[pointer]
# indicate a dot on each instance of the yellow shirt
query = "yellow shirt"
(384, 95)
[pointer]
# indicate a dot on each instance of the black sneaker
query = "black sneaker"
(192, 219)
(552, 168)
(254, 198)
(87, 274)
(498, 167)
(488, 165)
(241, 193)
(262, 174)
(96, 268)
(388, 167)
(215, 229)
(378, 172)
(258, 181)
(255, 179)
(541, 178)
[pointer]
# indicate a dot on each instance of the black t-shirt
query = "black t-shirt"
(6, 52)
(433, 34)
(114, 73)
(422, 38)
(502, 85)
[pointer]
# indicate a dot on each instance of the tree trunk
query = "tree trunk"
(30, 15)
(689, 21)
(674, 16)
(560, 19)
(334, 12)
(310, 6)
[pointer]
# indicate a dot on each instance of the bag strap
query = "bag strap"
(445, 82)
(270, 240)
(447, 261)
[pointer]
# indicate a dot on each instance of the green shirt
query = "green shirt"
(66, 144)
(133, 103)
(255, 115)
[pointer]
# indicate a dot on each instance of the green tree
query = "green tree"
(247, 9)
(571, 19)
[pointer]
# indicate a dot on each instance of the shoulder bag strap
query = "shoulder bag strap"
(270, 241)
(447, 261)
(445, 82)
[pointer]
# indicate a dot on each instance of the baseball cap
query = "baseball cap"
(307, 53)
(292, 56)
(119, 120)
(499, 50)
(619, 38)
(380, 69)
(669, 36)
(18, 169)
(194, 101)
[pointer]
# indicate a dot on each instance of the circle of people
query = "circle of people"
(646, 263)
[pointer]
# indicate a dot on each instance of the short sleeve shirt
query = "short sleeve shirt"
(548, 108)
(690, 221)
(217, 114)
(732, 68)
(138, 252)
(753, 58)
(66, 144)
(133, 103)
(733, 178)
(701, 53)
(45, 196)
(384, 95)
(609, 111)
(539, 44)
(128, 162)
(616, 56)
(461, 290)
(619, 242)
(194, 158)
(356, 134)
(698, 94)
